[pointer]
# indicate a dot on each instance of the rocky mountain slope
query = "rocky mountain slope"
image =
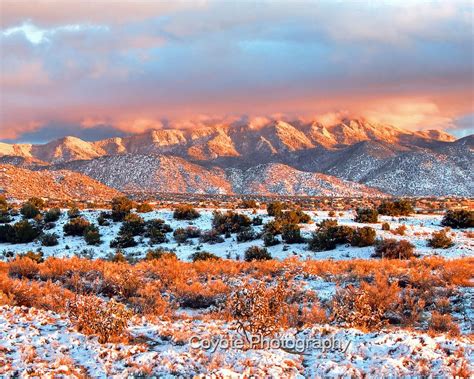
(209, 143)
(21, 183)
(279, 157)
(166, 173)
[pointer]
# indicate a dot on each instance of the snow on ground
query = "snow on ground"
(419, 229)
(40, 343)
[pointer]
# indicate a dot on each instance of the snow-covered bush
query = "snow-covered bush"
(258, 309)
(106, 319)
(365, 307)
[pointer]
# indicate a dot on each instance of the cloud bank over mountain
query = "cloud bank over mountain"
(133, 66)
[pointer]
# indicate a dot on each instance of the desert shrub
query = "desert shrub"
(5, 216)
(35, 257)
(258, 309)
(144, 208)
(185, 212)
(157, 236)
(183, 234)
(23, 267)
(329, 234)
(393, 249)
(92, 315)
(440, 240)
(52, 215)
(92, 235)
(270, 240)
(132, 224)
(326, 224)
(156, 230)
(273, 227)
(204, 256)
(275, 208)
(363, 237)
(443, 323)
(121, 206)
(159, 254)
(366, 216)
(117, 257)
(400, 207)
(74, 212)
(7, 234)
(400, 231)
(294, 217)
(458, 219)
(29, 210)
(291, 233)
(49, 239)
(37, 202)
(122, 241)
(248, 203)
(256, 253)
(149, 301)
(211, 236)
(246, 234)
(31, 293)
(230, 222)
(76, 226)
(3, 203)
(385, 226)
(365, 307)
(102, 221)
(26, 231)
(257, 220)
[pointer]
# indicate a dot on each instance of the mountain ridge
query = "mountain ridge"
(209, 143)
(363, 156)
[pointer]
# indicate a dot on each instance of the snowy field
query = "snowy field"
(419, 229)
(42, 340)
(39, 343)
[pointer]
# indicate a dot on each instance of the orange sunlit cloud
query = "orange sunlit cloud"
(72, 66)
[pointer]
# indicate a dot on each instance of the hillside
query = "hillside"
(165, 173)
(21, 183)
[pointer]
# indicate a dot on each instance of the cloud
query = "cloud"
(411, 115)
(141, 65)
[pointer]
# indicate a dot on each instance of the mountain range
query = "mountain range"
(350, 158)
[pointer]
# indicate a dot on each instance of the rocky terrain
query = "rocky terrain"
(21, 183)
(279, 157)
